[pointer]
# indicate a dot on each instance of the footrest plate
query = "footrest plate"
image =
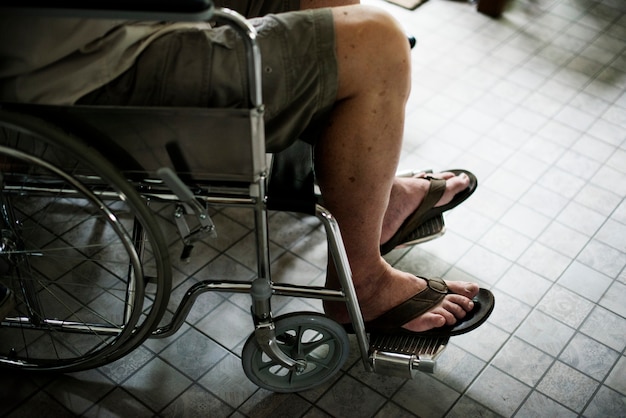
(403, 355)
(429, 230)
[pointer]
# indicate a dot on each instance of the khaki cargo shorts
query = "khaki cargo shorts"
(203, 66)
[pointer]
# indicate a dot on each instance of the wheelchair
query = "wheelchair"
(84, 253)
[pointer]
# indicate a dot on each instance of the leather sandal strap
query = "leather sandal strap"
(436, 189)
(412, 308)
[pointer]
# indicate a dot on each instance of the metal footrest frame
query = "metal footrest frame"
(404, 355)
(429, 230)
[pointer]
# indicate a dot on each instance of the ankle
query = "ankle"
(405, 198)
(368, 284)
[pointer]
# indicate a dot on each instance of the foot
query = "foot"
(393, 287)
(407, 194)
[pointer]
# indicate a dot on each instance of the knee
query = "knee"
(390, 43)
(371, 43)
(382, 27)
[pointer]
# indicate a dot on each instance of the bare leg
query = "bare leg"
(356, 160)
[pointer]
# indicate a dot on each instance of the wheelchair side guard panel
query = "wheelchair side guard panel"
(144, 139)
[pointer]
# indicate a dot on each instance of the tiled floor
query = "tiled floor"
(533, 103)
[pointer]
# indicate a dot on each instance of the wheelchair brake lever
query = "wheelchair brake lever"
(189, 204)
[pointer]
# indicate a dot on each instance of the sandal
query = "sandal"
(391, 321)
(427, 211)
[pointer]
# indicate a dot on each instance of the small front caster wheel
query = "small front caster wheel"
(320, 342)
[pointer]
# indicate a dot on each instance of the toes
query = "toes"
(450, 315)
(428, 321)
(467, 289)
(459, 305)
(456, 308)
(444, 175)
(459, 182)
(436, 321)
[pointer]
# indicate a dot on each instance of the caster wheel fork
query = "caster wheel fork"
(319, 345)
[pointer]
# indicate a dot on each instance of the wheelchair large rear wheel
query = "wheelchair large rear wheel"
(78, 248)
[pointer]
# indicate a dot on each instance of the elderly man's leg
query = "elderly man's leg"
(356, 159)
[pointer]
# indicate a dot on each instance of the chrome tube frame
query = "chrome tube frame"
(347, 294)
(255, 199)
(253, 52)
(258, 191)
(342, 265)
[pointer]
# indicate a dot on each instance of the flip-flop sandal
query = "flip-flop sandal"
(391, 322)
(427, 211)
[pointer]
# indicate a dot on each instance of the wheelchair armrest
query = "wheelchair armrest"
(179, 10)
